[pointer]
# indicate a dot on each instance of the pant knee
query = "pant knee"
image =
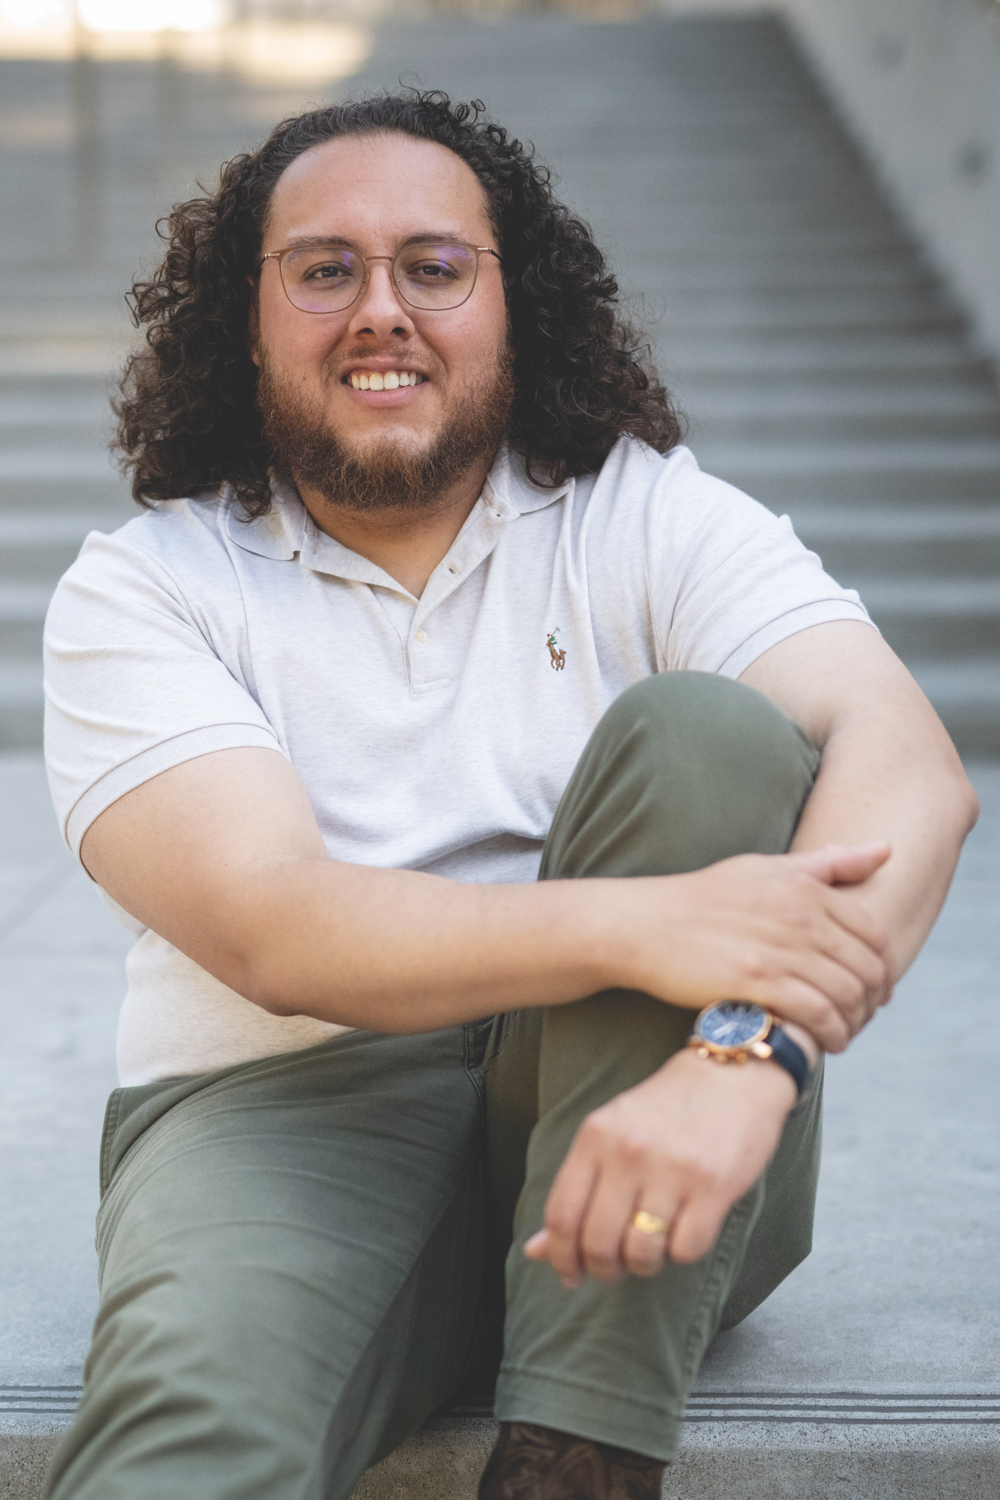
(685, 768)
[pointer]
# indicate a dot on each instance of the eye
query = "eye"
(431, 270)
(327, 270)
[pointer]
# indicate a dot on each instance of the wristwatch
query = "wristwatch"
(733, 1030)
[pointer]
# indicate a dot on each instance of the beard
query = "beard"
(382, 474)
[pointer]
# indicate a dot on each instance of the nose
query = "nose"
(380, 310)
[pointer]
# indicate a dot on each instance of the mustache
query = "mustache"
(402, 350)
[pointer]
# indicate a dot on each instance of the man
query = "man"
(449, 609)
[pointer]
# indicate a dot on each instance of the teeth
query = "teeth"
(388, 380)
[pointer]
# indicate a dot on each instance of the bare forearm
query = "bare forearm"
(222, 857)
(889, 771)
(400, 951)
(914, 796)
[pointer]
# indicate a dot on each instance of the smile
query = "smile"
(383, 380)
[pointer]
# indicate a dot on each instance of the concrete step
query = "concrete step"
(22, 616)
(786, 426)
(73, 495)
(839, 312)
(909, 474)
(810, 272)
(52, 460)
(931, 1446)
(22, 708)
(742, 413)
(64, 318)
(752, 245)
(929, 616)
(37, 547)
(855, 355)
(24, 359)
(861, 540)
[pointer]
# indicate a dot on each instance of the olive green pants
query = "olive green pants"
(301, 1257)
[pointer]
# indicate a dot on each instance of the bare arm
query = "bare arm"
(889, 771)
(222, 856)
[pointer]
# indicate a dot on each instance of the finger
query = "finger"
(696, 1228)
(844, 864)
(644, 1252)
(852, 912)
(843, 987)
(793, 999)
(859, 942)
(607, 1218)
(564, 1213)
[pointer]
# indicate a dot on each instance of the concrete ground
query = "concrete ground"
(872, 1371)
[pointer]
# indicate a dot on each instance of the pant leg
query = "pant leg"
(684, 770)
(290, 1264)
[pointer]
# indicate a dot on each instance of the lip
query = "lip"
(397, 397)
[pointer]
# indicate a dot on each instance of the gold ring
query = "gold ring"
(647, 1223)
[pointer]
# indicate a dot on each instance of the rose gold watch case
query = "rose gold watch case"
(755, 1047)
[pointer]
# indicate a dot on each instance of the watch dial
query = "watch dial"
(732, 1023)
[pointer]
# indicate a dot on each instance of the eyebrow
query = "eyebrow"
(310, 241)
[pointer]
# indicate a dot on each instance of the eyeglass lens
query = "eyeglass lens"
(321, 279)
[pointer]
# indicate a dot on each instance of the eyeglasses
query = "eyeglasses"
(430, 275)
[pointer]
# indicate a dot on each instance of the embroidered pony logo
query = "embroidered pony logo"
(557, 657)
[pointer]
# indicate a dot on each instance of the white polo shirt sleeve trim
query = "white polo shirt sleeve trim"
(162, 757)
(821, 612)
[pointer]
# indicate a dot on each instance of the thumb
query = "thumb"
(845, 864)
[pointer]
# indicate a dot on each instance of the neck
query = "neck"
(406, 544)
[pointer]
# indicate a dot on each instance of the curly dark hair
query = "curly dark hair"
(188, 417)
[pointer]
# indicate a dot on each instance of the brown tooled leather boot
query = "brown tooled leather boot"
(537, 1463)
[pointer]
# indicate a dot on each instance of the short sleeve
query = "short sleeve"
(133, 685)
(728, 579)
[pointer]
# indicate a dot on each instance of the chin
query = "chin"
(392, 442)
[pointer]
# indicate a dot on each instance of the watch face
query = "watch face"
(732, 1023)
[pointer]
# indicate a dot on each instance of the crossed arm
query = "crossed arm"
(223, 858)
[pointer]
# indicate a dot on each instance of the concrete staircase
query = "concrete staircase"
(822, 365)
(825, 371)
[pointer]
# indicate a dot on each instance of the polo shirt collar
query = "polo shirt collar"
(276, 534)
(509, 488)
(287, 528)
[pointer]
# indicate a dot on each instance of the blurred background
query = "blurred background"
(805, 196)
(803, 200)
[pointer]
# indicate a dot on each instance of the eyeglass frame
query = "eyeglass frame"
(279, 256)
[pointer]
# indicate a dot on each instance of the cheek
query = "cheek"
(291, 337)
(476, 339)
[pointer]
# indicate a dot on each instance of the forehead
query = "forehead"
(378, 187)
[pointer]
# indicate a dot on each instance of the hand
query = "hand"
(685, 1145)
(787, 931)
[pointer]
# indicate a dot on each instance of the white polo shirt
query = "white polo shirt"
(431, 734)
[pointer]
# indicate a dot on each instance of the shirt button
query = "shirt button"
(452, 568)
(420, 635)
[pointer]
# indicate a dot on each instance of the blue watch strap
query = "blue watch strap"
(790, 1056)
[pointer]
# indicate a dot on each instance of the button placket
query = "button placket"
(424, 660)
